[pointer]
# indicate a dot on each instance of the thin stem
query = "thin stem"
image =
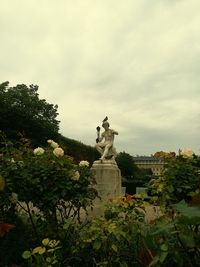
(18, 203)
(70, 208)
(31, 219)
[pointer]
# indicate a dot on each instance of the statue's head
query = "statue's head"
(105, 124)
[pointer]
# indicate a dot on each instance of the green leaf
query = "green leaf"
(170, 188)
(36, 250)
(48, 259)
(163, 256)
(97, 244)
(164, 247)
(154, 261)
(42, 250)
(187, 240)
(67, 224)
(123, 264)
(114, 247)
(26, 255)
(191, 214)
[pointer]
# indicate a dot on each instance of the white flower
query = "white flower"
(12, 160)
(186, 153)
(38, 151)
(84, 163)
(76, 176)
(53, 144)
(20, 163)
(58, 152)
(14, 198)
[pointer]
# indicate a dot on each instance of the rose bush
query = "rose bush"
(179, 180)
(46, 181)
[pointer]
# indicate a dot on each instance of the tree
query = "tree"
(126, 165)
(78, 150)
(21, 111)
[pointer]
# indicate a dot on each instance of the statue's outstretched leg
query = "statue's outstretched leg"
(105, 153)
(99, 149)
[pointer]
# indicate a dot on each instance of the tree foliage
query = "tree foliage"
(21, 111)
(179, 180)
(24, 114)
(126, 165)
(78, 150)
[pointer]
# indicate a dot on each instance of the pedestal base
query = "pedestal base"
(108, 183)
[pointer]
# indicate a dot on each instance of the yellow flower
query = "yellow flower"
(53, 243)
(45, 241)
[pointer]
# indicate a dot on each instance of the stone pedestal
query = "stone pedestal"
(108, 183)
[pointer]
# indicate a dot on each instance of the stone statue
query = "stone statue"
(106, 148)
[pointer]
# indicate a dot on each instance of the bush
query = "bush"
(44, 187)
(179, 180)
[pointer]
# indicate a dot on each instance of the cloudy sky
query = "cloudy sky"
(135, 61)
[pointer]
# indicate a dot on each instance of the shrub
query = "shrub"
(179, 180)
(45, 188)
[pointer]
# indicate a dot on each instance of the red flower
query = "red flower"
(5, 228)
(129, 197)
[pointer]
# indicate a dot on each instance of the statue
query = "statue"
(106, 148)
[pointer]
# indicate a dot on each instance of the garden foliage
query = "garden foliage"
(44, 199)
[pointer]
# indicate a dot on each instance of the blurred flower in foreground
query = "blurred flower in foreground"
(38, 151)
(53, 144)
(76, 176)
(58, 152)
(84, 163)
(14, 198)
(5, 228)
(186, 153)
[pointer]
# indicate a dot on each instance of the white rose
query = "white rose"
(38, 151)
(58, 152)
(12, 160)
(53, 144)
(186, 153)
(14, 198)
(76, 176)
(84, 163)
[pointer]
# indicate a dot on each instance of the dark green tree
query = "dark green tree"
(22, 112)
(126, 165)
(78, 150)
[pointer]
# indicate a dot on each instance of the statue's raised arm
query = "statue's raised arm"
(106, 148)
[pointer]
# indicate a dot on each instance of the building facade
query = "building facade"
(149, 162)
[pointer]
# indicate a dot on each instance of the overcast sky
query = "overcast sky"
(135, 61)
